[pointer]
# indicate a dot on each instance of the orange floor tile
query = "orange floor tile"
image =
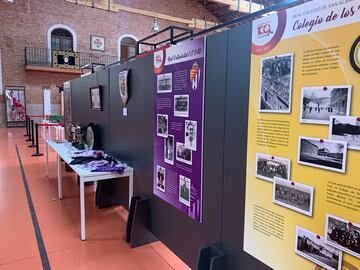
(59, 220)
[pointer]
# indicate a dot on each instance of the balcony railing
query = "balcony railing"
(44, 58)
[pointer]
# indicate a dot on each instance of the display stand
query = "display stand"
(212, 258)
(138, 228)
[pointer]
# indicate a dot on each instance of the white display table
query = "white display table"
(63, 152)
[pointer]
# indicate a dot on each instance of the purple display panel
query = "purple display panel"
(178, 128)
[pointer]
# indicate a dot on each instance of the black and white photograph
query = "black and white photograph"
(183, 154)
(343, 234)
(164, 83)
(320, 102)
(323, 154)
(160, 180)
(313, 247)
(169, 149)
(346, 128)
(184, 190)
(293, 195)
(190, 134)
(267, 167)
(162, 125)
(95, 98)
(276, 83)
(181, 105)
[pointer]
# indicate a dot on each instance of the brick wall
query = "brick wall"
(26, 23)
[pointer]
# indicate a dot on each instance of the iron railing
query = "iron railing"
(43, 57)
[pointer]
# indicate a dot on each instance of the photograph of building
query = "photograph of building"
(346, 128)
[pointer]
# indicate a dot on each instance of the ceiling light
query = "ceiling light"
(9, 1)
(156, 27)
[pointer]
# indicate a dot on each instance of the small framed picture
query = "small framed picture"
(96, 98)
(97, 43)
(323, 154)
(184, 190)
(164, 83)
(346, 128)
(169, 149)
(292, 195)
(268, 167)
(160, 178)
(181, 105)
(190, 134)
(319, 103)
(183, 154)
(343, 234)
(162, 125)
(313, 247)
(276, 77)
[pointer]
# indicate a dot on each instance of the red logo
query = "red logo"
(264, 29)
(158, 59)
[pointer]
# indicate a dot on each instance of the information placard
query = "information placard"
(178, 128)
(302, 186)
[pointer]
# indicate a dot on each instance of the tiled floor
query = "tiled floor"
(59, 220)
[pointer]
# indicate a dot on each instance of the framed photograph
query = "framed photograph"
(162, 125)
(164, 83)
(323, 154)
(276, 75)
(169, 149)
(96, 98)
(184, 190)
(343, 234)
(292, 195)
(190, 134)
(123, 85)
(161, 178)
(15, 106)
(97, 43)
(313, 247)
(346, 128)
(181, 105)
(318, 103)
(268, 167)
(183, 154)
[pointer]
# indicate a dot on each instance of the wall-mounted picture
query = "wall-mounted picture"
(97, 43)
(346, 128)
(343, 234)
(96, 98)
(183, 154)
(276, 83)
(323, 154)
(162, 125)
(190, 134)
(268, 167)
(169, 149)
(123, 85)
(15, 105)
(160, 180)
(184, 190)
(181, 105)
(313, 247)
(293, 195)
(164, 83)
(320, 102)
(195, 75)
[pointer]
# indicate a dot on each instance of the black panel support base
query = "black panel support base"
(32, 146)
(37, 154)
(138, 228)
(212, 258)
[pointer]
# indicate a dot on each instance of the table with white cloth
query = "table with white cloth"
(64, 151)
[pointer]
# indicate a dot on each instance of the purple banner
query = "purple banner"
(178, 128)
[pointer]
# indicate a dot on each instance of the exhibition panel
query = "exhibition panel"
(302, 192)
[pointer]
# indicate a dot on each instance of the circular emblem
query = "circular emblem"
(355, 55)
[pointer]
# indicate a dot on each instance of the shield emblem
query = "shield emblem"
(123, 85)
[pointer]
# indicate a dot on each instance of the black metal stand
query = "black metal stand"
(32, 135)
(26, 126)
(138, 228)
(212, 258)
(29, 130)
(37, 153)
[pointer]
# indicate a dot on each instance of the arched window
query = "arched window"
(127, 47)
(61, 39)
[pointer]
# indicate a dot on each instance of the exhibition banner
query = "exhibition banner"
(302, 185)
(178, 127)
